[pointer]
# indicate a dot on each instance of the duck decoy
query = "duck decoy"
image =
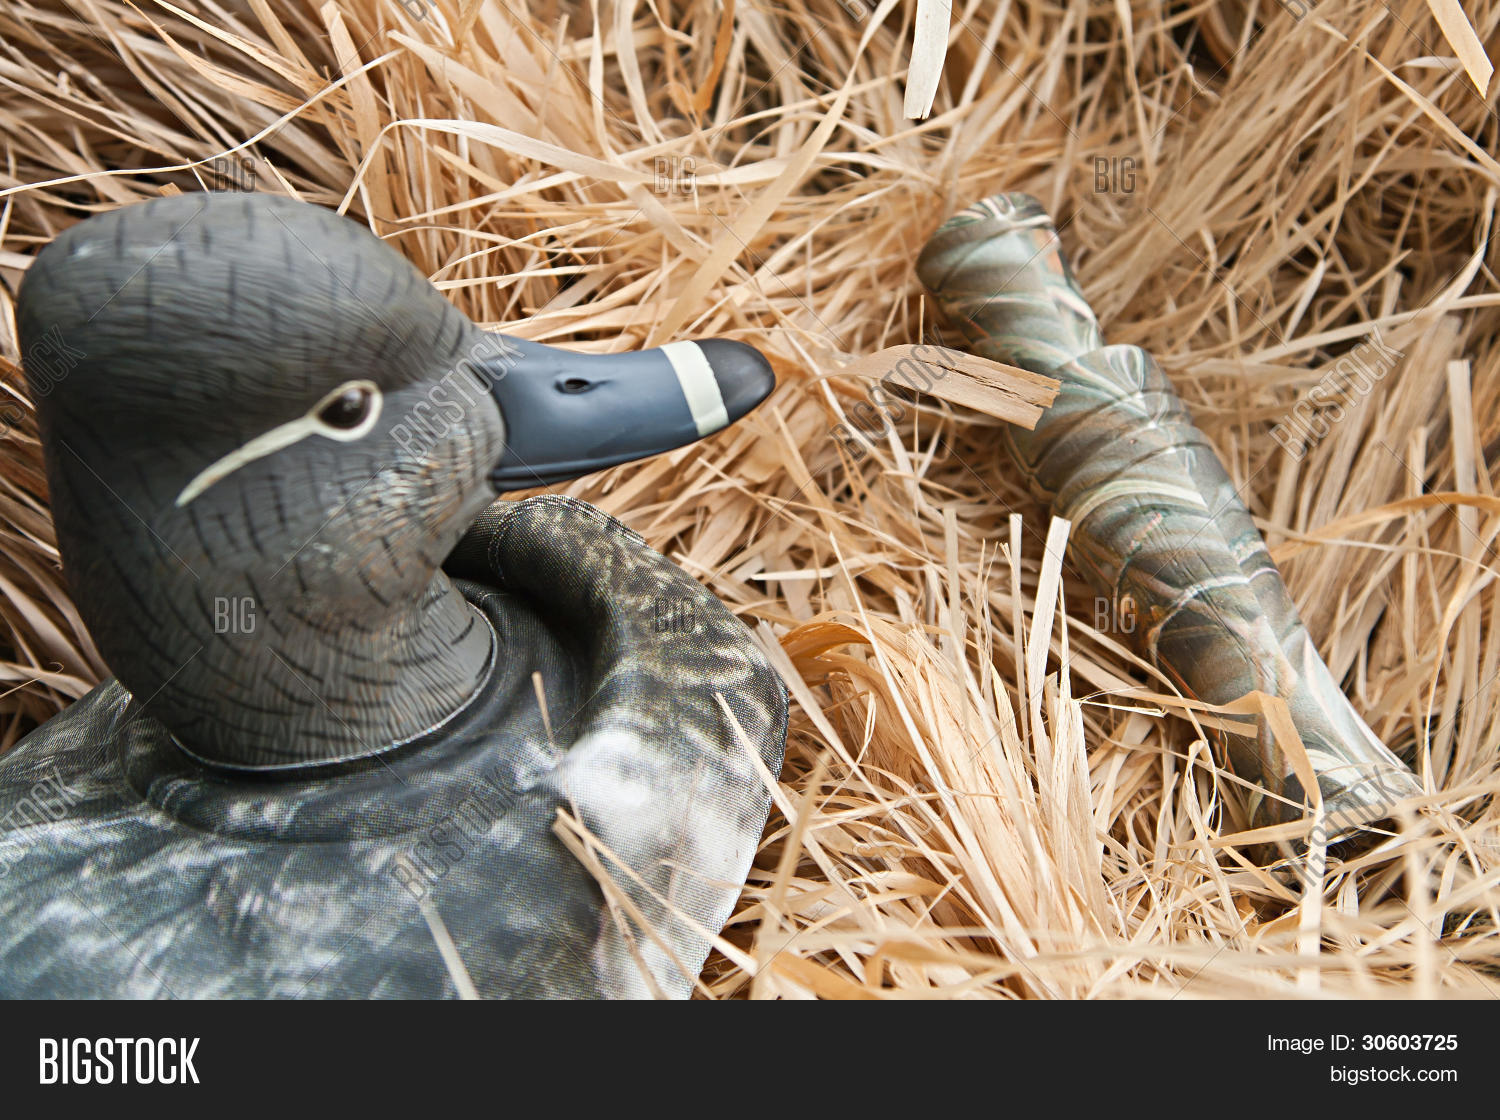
(1157, 525)
(372, 732)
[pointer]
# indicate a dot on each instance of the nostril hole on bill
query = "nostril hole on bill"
(575, 385)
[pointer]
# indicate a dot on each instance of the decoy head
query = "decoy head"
(264, 432)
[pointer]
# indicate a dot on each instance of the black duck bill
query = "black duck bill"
(569, 414)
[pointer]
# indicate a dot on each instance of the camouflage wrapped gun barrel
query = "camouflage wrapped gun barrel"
(1157, 525)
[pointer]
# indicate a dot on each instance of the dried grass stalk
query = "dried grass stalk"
(986, 794)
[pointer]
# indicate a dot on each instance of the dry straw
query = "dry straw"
(986, 793)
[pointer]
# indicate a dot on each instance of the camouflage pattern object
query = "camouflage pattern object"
(1157, 525)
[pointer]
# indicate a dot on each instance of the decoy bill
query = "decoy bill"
(373, 732)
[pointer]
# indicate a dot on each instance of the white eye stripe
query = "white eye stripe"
(284, 435)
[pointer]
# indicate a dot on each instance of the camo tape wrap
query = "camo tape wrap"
(1157, 525)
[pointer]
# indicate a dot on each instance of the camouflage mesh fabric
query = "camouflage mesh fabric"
(128, 869)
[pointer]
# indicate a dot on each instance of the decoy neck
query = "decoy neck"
(264, 431)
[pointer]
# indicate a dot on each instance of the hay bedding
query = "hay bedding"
(986, 792)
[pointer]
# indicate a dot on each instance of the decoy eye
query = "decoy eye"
(349, 409)
(348, 413)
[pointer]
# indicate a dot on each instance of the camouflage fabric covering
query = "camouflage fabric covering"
(129, 869)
